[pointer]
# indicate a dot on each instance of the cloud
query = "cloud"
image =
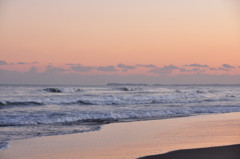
(196, 65)
(126, 67)
(165, 70)
(25, 63)
(227, 66)
(107, 68)
(169, 68)
(13, 77)
(197, 70)
(187, 70)
(213, 69)
(184, 70)
(80, 68)
(146, 66)
(54, 70)
(71, 64)
(22, 63)
(3, 63)
(223, 69)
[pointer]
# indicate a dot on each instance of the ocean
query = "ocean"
(28, 111)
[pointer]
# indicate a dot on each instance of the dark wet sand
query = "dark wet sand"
(224, 152)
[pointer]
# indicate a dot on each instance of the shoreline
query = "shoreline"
(221, 152)
(132, 140)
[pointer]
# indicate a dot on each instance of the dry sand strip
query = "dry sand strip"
(224, 152)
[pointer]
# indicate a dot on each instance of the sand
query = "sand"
(132, 140)
(224, 152)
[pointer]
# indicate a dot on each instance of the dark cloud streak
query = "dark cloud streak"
(54, 70)
(196, 65)
(127, 67)
(3, 63)
(22, 63)
(227, 66)
(164, 70)
(107, 68)
(146, 66)
(80, 68)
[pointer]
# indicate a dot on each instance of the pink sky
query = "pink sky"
(95, 34)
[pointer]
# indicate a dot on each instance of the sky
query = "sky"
(96, 42)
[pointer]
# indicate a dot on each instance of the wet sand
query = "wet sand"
(224, 152)
(132, 140)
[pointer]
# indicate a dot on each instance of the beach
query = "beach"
(229, 152)
(105, 79)
(131, 140)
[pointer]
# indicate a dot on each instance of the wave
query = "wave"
(23, 132)
(103, 117)
(130, 88)
(206, 91)
(62, 90)
(24, 103)
(53, 90)
(47, 110)
(61, 122)
(3, 145)
(81, 102)
(120, 99)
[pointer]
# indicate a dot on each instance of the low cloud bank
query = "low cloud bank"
(54, 76)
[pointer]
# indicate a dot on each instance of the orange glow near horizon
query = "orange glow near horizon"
(102, 33)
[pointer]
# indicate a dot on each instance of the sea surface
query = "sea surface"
(33, 111)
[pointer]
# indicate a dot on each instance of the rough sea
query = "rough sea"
(33, 111)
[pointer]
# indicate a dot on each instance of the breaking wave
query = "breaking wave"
(103, 117)
(130, 88)
(23, 103)
(62, 90)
